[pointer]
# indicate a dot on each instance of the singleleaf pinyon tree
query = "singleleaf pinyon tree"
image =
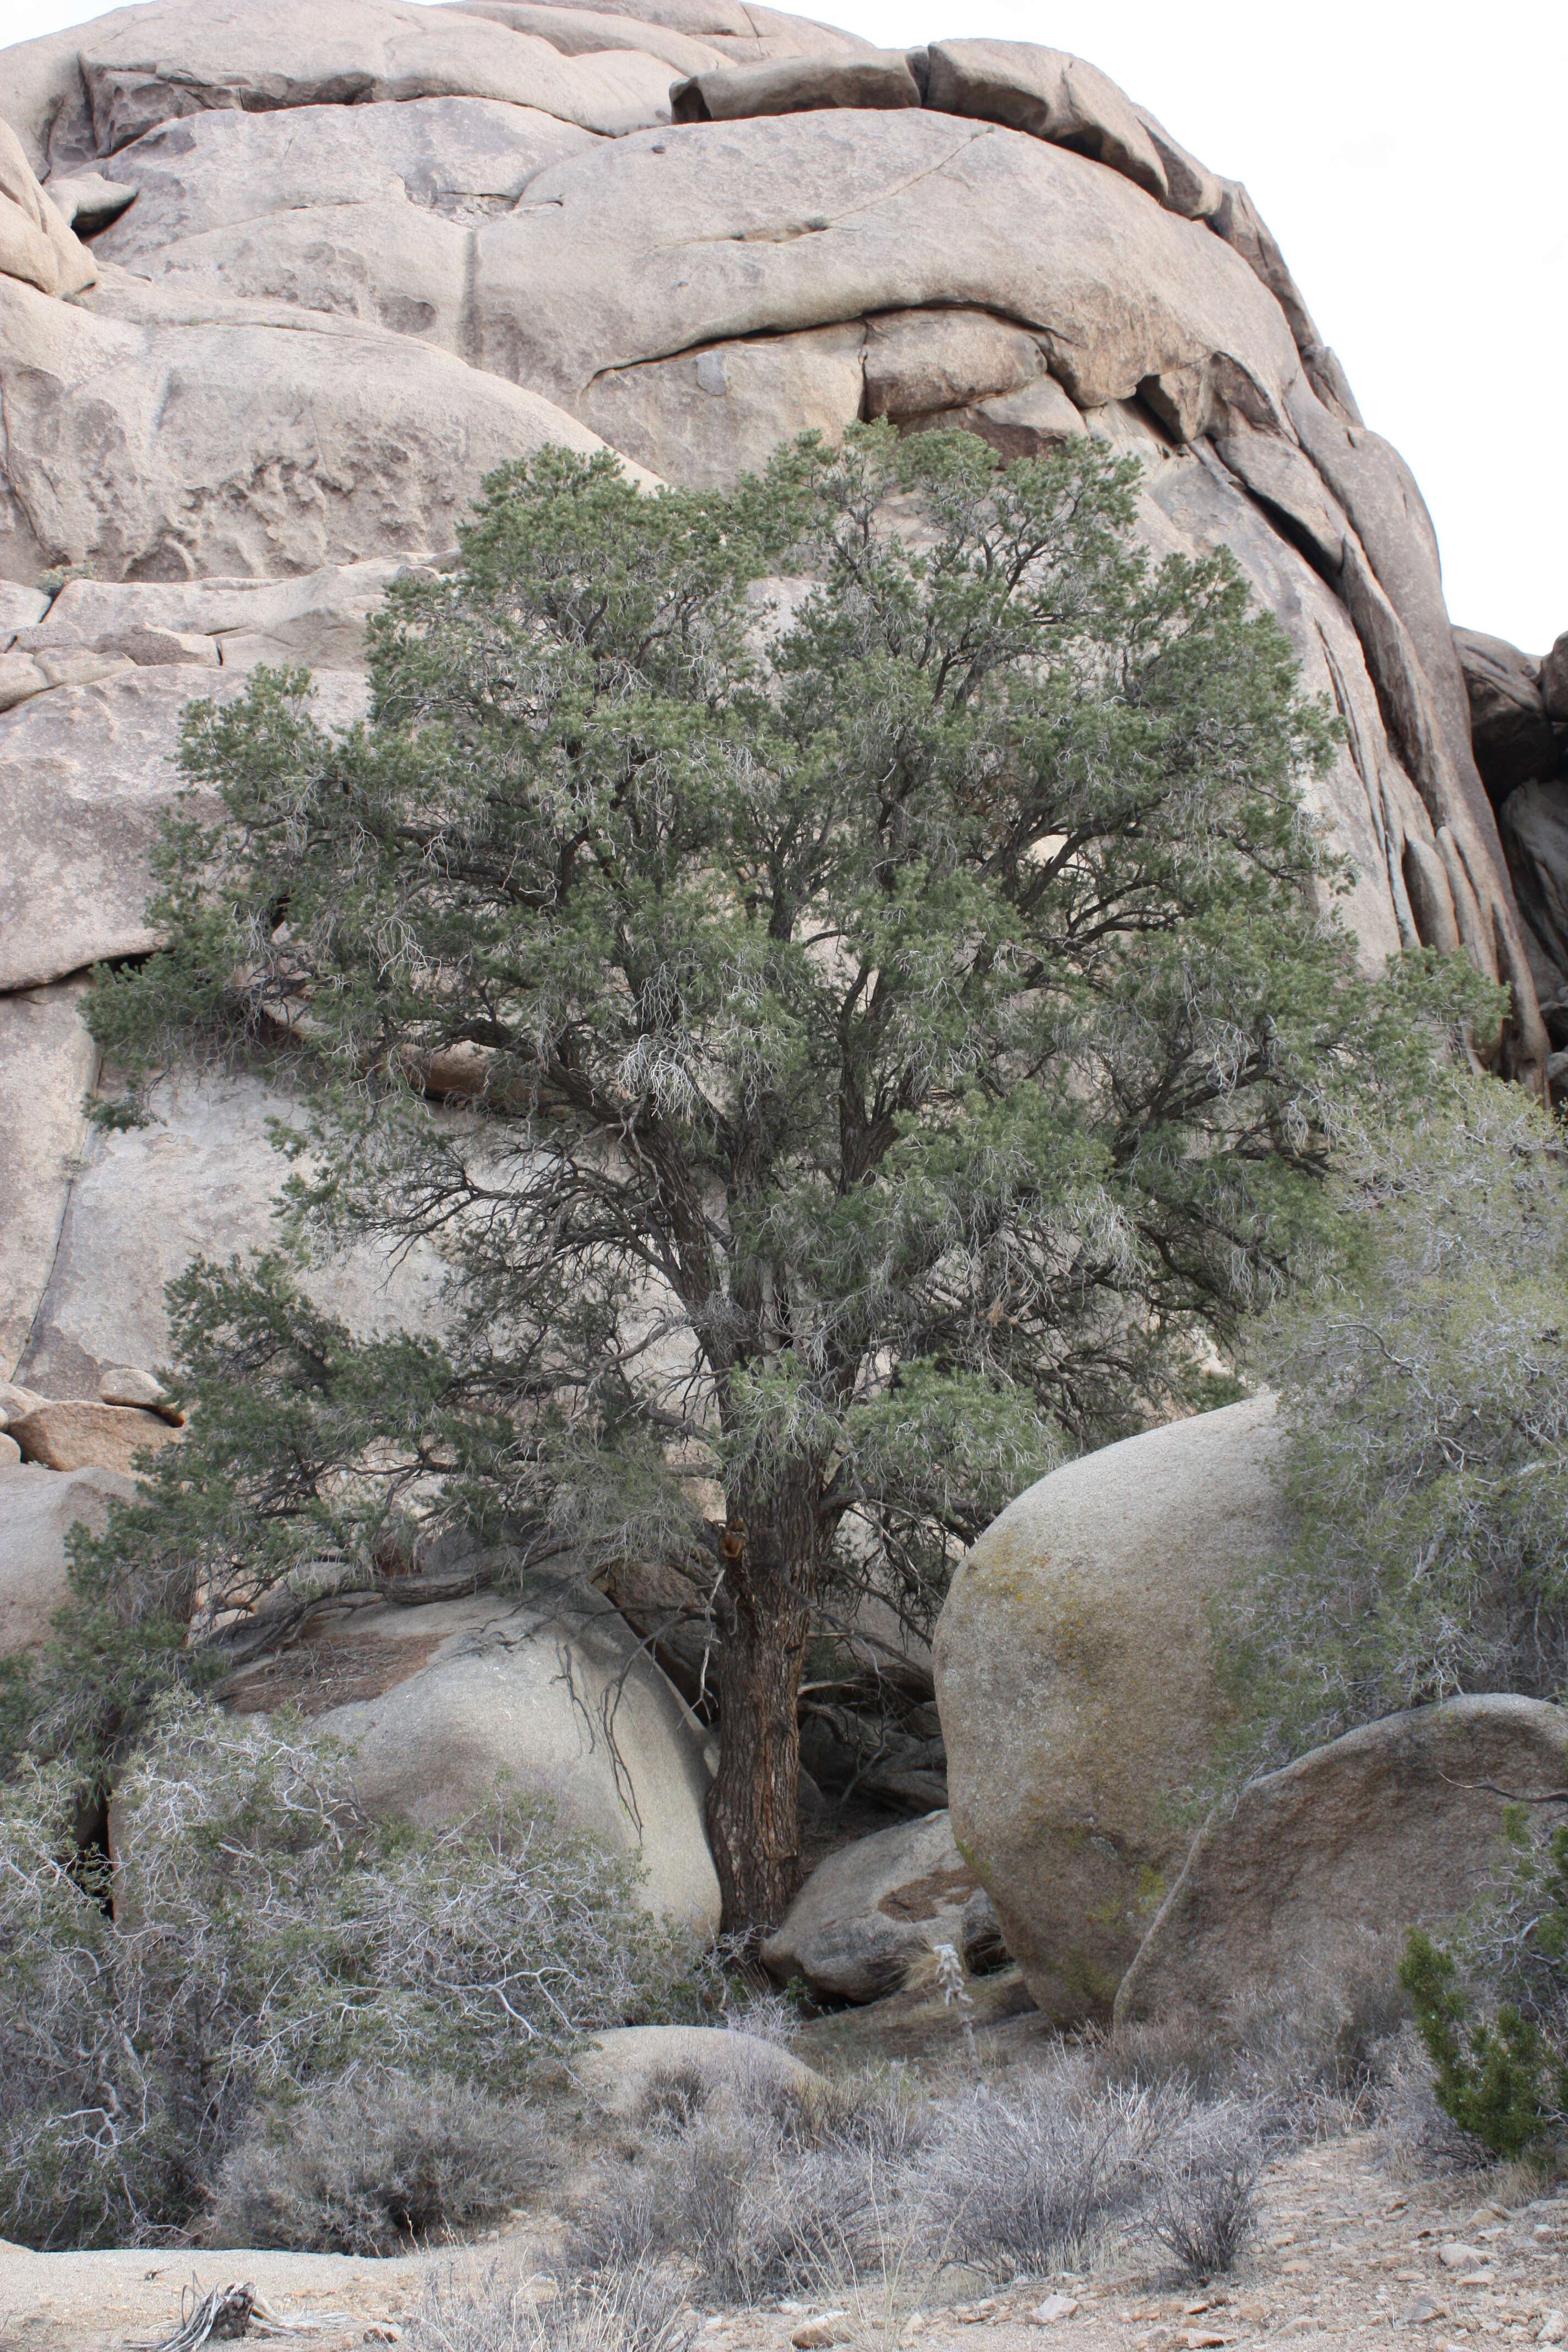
(880, 1023)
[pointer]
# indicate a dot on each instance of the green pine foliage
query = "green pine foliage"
(851, 1039)
(1492, 2006)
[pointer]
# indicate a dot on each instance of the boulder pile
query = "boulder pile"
(1077, 1694)
(281, 281)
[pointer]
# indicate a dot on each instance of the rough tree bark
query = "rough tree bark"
(763, 1609)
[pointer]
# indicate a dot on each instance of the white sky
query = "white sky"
(1411, 163)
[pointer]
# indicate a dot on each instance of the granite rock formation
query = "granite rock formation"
(281, 281)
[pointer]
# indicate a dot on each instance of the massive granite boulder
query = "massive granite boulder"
(1318, 1870)
(332, 264)
(442, 1705)
(1076, 1680)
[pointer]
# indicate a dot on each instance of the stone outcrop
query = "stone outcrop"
(1391, 1827)
(1519, 719)
(201, 1176)
(36, 242)
(73, 1434)
(47, 1064)
(37, 1510)
(870, 1916)
(625, 2070)
(1076, 1681)
(1509, 728)
(553, 1700)
(280, 282)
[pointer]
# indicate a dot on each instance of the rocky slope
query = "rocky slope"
(329, 266)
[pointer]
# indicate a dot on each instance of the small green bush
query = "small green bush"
(1493, 2007)
(1501, 2081)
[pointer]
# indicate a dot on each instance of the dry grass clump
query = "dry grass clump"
(1205, 2186)
(753, 2186)
(620, 2310)
(376, 2165)
(750, 2189)
(1017, 2177)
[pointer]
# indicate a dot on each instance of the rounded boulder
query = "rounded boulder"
(1075, 1683)
(873, 1912)
(1292, 1891)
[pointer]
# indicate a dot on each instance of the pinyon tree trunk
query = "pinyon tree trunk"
(763, 1609)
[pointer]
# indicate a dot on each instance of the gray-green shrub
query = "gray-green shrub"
(267, 1940)
(1426, 1394)
(376, 2164)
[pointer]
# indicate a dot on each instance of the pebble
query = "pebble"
(817, 2334)
(1055, 2308)
(1457, 2256)
(1418, 2314)
(1552, 2328)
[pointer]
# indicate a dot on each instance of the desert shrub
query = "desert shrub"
(373, 2165)
(1425, 1391)
(1492, 2004)
(1205, 2186)
(753, 2203)
(625, 2310)
(761, 2184)
(267, 1940)
(1015, 2178)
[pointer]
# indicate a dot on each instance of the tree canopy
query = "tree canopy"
(844, 973)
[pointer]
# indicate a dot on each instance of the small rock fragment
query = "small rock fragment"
(71, 1434)
(1055, 2308)
(1552, 2328)
(817, 2334)
(1423, 2309)
(1457, 2256)
(126, 1384)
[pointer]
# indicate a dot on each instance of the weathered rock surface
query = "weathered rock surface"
(47, 1063)
(795, 86)
(652, 245)
(164, 443)
(1385, 1829)
(626, 2069)
(1554, 682)
(581, 32)
(726, 408)
(1510, 729)
(38, 1507)
(1074, 1678)
(86, 772)
(201, 1181)
(1050, 95)
(870, 1916)
(451, 158)
(179, 58)
(36, 244)
(1533, 823)
(468, 1690)
(74, 1434)
(130, 1384)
